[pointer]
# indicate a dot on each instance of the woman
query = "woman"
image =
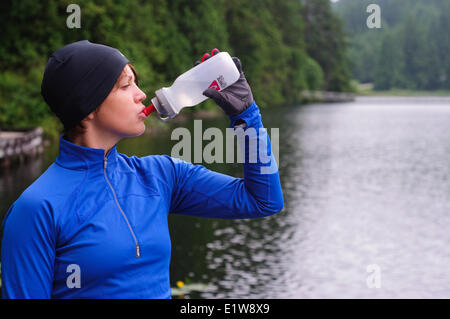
(94, 225)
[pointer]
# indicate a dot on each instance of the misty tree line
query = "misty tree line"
(410, 50)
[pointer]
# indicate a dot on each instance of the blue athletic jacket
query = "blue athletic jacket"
(103, 219)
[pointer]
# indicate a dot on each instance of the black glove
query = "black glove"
(235, 98)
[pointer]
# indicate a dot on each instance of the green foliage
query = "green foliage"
(284, 47)
(408, 52)
(390, 64)
(21, 105)
(326, 43)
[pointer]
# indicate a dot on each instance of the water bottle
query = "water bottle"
(217, 72)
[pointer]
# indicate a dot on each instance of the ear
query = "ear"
(88, 118)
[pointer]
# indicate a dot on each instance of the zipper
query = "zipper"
(137, 247)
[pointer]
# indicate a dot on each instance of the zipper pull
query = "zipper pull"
(104, 162)
(138, 251)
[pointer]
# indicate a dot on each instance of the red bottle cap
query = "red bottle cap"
(149, 109)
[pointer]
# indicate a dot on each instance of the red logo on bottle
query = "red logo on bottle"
(214, 85)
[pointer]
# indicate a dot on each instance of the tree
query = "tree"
(410, 51)
(326, 43)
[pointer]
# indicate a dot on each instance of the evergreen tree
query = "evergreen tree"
(389, 64)
(326, 43)
(409, 51)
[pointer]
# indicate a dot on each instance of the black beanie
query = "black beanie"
(79, 77)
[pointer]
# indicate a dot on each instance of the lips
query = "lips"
(142, 114)
(146, 111)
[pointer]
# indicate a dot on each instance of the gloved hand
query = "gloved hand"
(235, 98)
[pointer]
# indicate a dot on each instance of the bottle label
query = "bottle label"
(218, 84)
(214, 85)
(221, 81)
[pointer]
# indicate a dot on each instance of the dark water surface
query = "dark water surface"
(366, 186)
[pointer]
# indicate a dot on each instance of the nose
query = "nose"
(140, 96)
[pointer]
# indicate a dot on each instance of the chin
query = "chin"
(137, 131)
(141, 130)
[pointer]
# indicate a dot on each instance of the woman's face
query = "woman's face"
(120, 114)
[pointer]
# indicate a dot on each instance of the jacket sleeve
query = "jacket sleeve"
(28, 250)
(204, 193)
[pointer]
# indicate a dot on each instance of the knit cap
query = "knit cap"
(78, 78)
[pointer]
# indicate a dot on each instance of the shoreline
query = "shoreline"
(365, 90)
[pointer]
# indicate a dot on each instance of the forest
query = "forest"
(285, 46)
(409, 51)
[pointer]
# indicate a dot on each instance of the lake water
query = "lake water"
(367, 206)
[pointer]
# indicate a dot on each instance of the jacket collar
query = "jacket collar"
(77, 157)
